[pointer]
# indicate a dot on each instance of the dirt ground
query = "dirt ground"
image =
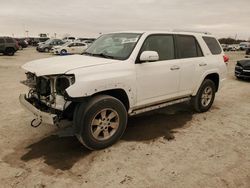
(172, 147)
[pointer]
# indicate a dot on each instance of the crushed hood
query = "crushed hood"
(63, 64)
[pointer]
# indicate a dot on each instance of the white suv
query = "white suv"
(120, 75)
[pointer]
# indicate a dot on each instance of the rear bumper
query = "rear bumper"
(44, 117)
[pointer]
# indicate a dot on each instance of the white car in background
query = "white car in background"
(69, 39)
(70, 48)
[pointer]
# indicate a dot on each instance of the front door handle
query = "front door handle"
(202, 64)
(175, 67)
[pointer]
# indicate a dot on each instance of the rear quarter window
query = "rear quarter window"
(213, 45)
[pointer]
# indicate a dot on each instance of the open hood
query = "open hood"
(63, 64)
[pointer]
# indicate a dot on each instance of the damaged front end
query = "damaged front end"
(46, 98)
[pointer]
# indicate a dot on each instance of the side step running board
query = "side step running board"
(158, 106)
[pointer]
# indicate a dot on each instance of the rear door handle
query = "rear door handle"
(202, 64)
(175, 67)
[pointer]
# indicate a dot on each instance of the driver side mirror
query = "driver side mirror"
(148, 56)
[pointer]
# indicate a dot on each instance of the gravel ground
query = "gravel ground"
(172, 147)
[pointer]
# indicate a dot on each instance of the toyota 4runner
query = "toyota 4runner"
(121, 75)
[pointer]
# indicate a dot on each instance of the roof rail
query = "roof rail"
(190, 31)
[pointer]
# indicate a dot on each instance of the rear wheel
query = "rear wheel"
(205, 96)
(100, 122)
(9, 51)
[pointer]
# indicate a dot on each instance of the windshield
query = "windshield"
(48, 41)
(66, 43)
(114, 46)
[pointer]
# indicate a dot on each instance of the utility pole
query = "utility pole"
(235, 36)
(27, 33)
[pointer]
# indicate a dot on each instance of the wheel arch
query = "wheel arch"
(214, 76)
(119, 94)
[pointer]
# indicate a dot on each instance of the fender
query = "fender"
(212, 71)
(88, 83)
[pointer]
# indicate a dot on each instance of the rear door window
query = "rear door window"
(213, 45)
(187, 47)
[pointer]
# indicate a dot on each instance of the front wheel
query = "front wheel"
(204, 98)
(63, 52)
(46, 50)
(100, 122)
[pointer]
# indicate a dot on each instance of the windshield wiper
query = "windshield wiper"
(99, 55)
(104, 55)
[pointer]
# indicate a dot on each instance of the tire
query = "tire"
(63, 52)
(46, 49)
(100, 122)
(239, 78)
(9, 51)
(204, 98)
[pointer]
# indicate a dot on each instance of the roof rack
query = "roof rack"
(190, 31)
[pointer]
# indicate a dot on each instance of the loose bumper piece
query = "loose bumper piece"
(44, 117)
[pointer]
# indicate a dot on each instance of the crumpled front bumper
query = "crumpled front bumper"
(44, 117)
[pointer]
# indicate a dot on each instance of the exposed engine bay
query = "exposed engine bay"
(47, 93)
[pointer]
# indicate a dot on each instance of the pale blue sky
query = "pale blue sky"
(90, 17)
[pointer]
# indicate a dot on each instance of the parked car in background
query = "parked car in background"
(8, 46)
(59, 46)
(87, 41)
(47, 46)
(22, 43)
(35, 41)
(70, 48)
(224, 47)
(69, 39)
(242, 68)
(121, 75)
(244, 45)
(248, 50)
(230, 47)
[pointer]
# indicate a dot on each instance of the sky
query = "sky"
(89, 18)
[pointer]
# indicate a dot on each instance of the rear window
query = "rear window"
(187, 47)
(213, 45)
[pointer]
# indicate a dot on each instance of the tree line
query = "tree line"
(230, 41)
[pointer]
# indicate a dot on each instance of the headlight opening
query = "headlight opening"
(63, 82)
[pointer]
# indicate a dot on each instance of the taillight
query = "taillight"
(226, 58)
(17, 46)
